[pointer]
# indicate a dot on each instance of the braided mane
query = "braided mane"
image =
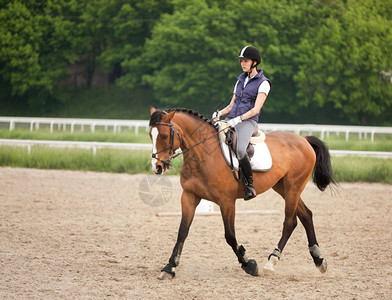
(158, 115)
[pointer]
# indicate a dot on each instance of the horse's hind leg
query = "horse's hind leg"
(228, 215)
(295, 207)
(289, 224)
(305, 216)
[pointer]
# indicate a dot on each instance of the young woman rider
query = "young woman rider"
(250, 92)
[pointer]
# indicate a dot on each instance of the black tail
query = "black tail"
(322, 175)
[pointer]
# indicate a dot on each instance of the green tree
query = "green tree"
(110, 31)
(333, 55)
(319, 54)
(34, 43)
(276, 28)
(346, 59)
(131, 28)
(190, 60)
(41, 40)
(190, 56)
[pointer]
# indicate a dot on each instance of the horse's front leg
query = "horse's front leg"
(189, 202)
(228, 215)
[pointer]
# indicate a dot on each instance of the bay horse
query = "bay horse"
(206, 175)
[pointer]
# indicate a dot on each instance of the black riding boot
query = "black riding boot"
(250, 191)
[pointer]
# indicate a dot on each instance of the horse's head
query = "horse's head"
(165, 139)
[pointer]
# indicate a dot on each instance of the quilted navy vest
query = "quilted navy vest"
(245, 98)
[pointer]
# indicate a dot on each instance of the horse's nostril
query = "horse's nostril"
(159, 170)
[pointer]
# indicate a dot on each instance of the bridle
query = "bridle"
(170, 146)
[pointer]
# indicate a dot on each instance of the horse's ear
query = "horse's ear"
(169, 116)
(152, 109)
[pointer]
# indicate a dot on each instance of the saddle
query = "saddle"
(257, 150)
(257, 137)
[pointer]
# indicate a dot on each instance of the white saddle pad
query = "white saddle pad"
(261, 160)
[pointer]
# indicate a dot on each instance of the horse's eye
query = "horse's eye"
(164, 136)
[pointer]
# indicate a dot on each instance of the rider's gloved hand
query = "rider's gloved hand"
(231, 123)
(216, 115)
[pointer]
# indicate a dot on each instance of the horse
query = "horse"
(205, 175)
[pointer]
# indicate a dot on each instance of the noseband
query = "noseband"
(171, 155)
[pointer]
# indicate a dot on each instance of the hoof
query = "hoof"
(323, 267)
(252, 268)
(268, 268)
(165, 276)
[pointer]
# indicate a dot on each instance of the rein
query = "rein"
(171, 155)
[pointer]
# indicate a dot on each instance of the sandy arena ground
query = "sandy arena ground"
(85, 235)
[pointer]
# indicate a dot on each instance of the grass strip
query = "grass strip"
(105, 160)
(362, 169)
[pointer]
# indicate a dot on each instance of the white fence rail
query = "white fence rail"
(64, 123)
(377, 154)
(325, 130)
(117, 125)
(135, 146)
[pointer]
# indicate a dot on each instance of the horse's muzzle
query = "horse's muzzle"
(158, 170)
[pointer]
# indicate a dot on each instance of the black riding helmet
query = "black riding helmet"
(252, 53)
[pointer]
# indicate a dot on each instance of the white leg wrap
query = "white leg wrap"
(315, 250)
(276, 253)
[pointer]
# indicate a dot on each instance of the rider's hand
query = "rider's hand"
(231, 123)
(216, 115)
